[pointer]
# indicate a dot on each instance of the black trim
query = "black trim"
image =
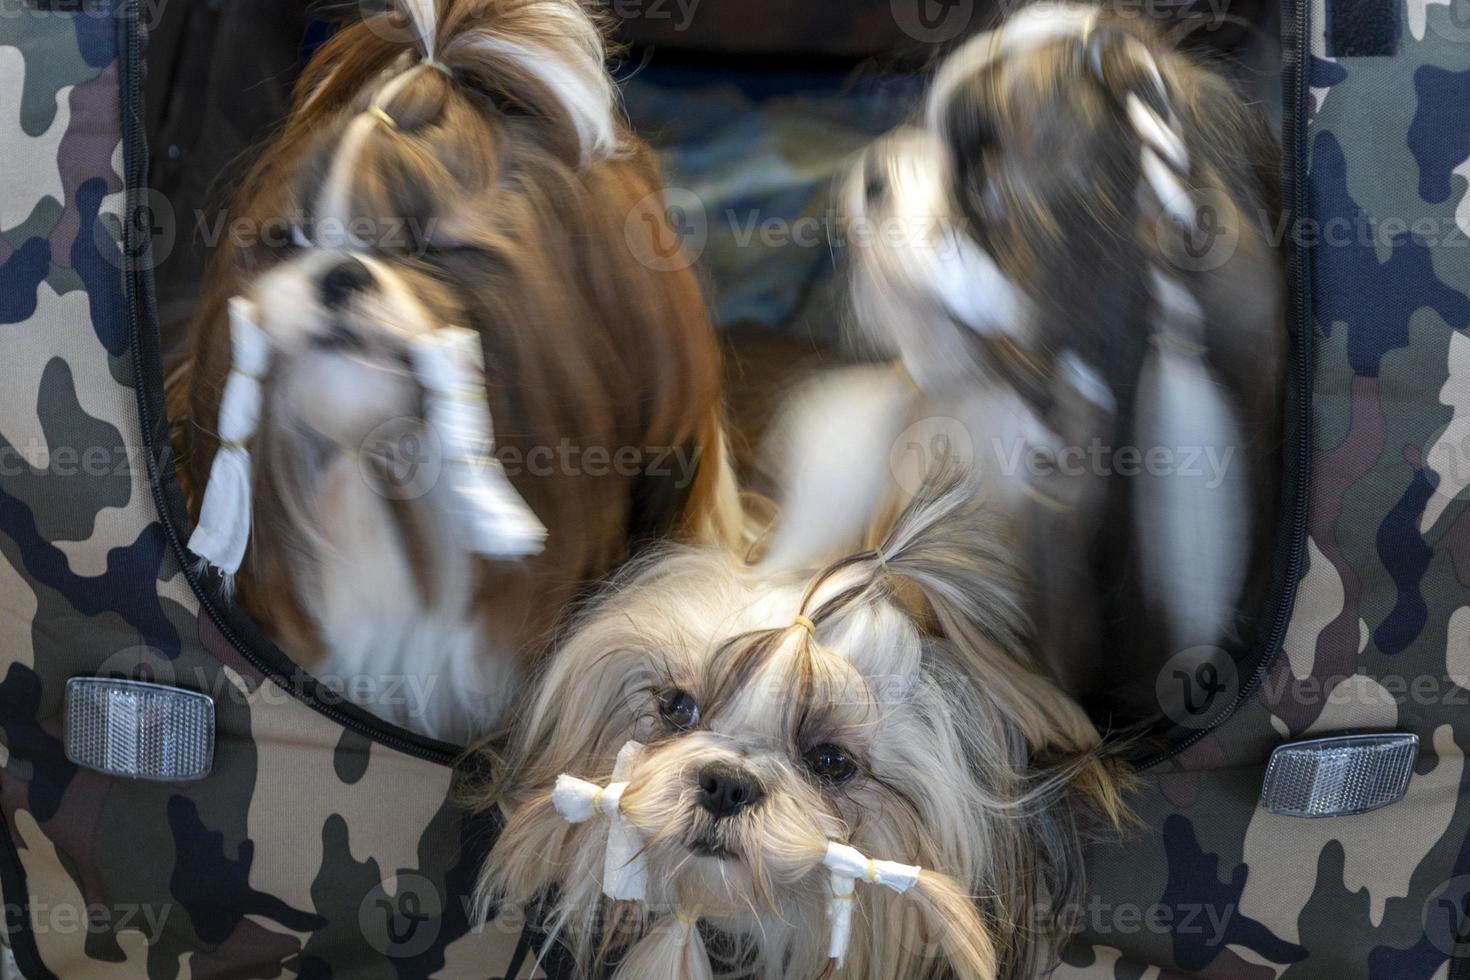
(168, 495)
(1297, 466)
(1362, 28)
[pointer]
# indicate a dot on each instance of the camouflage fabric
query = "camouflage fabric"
(1379, 638)
(312, 849)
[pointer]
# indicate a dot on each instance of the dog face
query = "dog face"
(341, 326)
(763, 740)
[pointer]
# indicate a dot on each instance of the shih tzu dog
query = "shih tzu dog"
(1070, 255)
(453, 267)
(729, 770)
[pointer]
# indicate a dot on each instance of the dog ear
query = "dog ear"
(960, 557)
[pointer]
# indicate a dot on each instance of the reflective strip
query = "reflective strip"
(1339, 776)
(139, 730)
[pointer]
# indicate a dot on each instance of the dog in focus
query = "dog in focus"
(453, 164)
(887, 702)
(1068, 254)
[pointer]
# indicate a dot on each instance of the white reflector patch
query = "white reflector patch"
(1339, 776)
(139, 730)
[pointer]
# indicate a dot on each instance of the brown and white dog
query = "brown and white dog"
(699, 778)
(1069, 254)
(455, 163)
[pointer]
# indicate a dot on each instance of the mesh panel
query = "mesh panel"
(1334, 777)
(138, 730)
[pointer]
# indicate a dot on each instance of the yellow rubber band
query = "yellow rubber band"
(806, 624)
(381, 115)
(245, 374)
(872, 873)
(235, 444)
(688, 918)
(845, 898)
(882, 558)
(597, 800)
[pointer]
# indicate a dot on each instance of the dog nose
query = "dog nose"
(342, 280)
(725, 790)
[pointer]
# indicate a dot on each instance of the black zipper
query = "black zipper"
(139, 283)
(1296, 192)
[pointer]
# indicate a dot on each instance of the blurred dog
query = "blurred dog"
(453, 164)
(1069, 255)
(886, 703)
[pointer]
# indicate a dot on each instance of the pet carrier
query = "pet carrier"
(286, 832)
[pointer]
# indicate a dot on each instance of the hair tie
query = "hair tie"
(805, 623)
(882, 560)
(381, 115)
(686, 917)
(848, 866)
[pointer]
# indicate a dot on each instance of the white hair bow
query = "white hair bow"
(849, 866)
(490, 516)
(224, 517)
(624, 869)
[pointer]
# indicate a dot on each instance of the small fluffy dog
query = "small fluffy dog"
(765, 732)
(1070, 254)
(452, 169)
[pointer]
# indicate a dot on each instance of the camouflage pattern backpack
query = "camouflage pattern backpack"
(323, 843)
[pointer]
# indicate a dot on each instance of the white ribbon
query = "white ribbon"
(849, 866)
(624, 868)
(488, 514)
(224, 517)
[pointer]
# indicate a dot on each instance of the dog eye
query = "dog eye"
(831, 763)
(678, 709)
